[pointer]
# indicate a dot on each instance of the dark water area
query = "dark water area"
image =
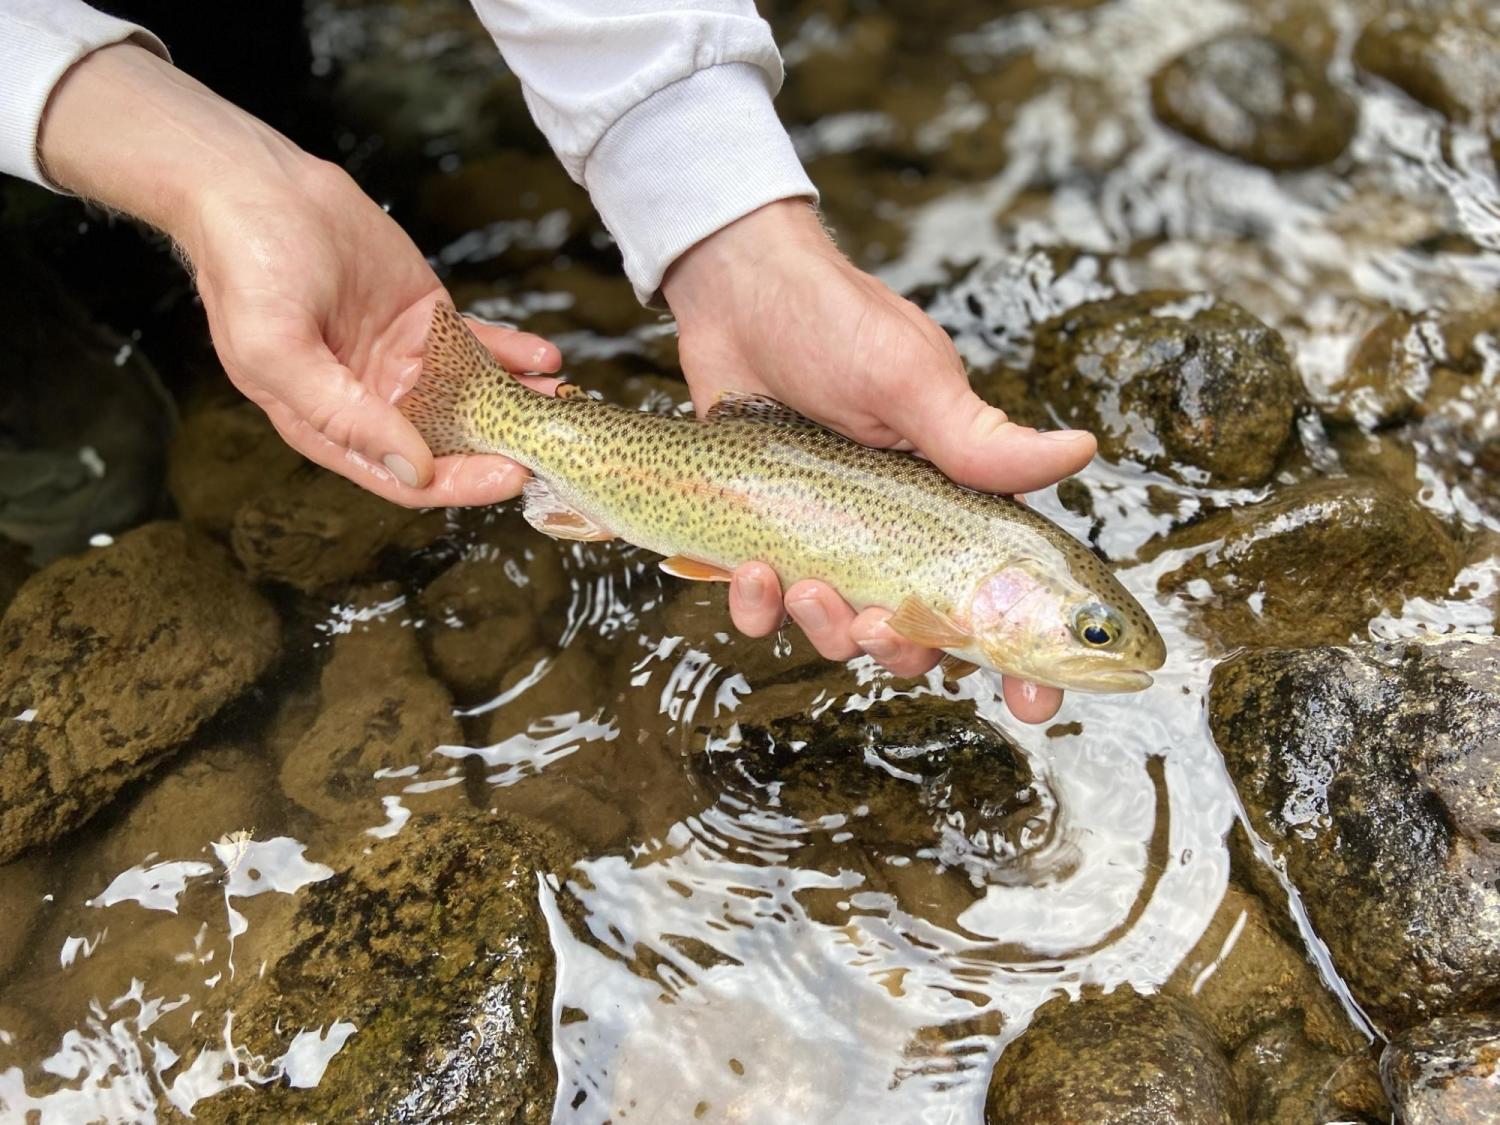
(313, 808)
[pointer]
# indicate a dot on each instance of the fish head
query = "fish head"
(1055, 626)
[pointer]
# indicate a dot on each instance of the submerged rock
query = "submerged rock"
(1374, 773)
(1252, 97)
(1446, 1071)
(224, 457)
(116, 658)
(379, 710)
(314, 529)
(431, 948)
(1117, 1059)
(1180, 382)
(1312, 564)
(909, 777)
(1288, 1081)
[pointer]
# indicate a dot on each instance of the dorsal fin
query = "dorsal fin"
(737, 406)
(454, 360)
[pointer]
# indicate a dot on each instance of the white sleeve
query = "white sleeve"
(39, 41)
(661, 109)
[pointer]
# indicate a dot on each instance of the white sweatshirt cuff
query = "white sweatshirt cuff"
(39, 41)
(690, 159)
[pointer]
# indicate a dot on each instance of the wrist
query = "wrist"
(128, 130)
(709, 271)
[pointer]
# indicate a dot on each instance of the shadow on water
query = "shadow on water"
(789, 892)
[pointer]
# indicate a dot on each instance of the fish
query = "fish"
(981, 576)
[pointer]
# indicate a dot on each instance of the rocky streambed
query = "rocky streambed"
(313, 808)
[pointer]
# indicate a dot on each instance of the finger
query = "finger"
(458, 480)
(302, 376)
(824, 617)
(901, 656)
(755, 600)
(1029, 702)
(976, 445)
(517, 351)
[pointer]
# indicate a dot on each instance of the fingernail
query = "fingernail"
(880, 648)
(1065, 435)
(752, 591)
(810, 614)
(401, 469)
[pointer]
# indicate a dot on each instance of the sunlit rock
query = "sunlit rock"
(111, 661)
(1254, 98)
(1446, 1071)
(1179, 382)
(1373, 773)
(1116, 1059)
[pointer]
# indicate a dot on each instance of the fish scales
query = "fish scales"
(758, 481)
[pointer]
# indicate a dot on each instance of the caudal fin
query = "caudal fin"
(455, 366)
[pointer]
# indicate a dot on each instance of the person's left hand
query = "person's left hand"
(768, 305)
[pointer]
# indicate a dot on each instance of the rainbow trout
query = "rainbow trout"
(980, 576)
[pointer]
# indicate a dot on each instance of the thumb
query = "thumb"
(978, 446)
(326, 395)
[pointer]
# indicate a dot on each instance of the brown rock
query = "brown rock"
(1446, 1071)
(118, 656)
(224, 457)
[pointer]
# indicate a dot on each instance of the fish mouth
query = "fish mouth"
(1088, 675)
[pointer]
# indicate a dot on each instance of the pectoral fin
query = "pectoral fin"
(546, 512)
(917, 621)
(956, 667)
(680, 566)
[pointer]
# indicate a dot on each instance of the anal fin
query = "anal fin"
(680, 566)
(546, 512)
(956, 667)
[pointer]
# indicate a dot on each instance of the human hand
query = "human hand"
(769, 305)
(317, 302)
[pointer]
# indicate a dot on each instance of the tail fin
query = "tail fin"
(454, 367)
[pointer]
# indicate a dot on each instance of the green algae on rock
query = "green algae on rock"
(1180, 382)
(433, 946)
(1311, 564)
(1117, 1059)
(1254, 98)
(1373, 772)
(117, 657)
(1446, 1071)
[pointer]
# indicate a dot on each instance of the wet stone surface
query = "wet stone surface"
(1446, 1071)
(1116, 1059)
(1447, 57)
(1173, 380)
(76, 641)
(433, 947)
(1374, 772)
(1252, 97)
(1311, 564)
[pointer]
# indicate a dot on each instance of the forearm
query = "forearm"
(129, 130)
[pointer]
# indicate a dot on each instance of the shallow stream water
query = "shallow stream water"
(728, 947)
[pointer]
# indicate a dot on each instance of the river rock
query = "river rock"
(14, 570)
(1117, 1059)
(433, 945)
(1254, 98)
(380, 710)
(225, 456)
(1312, 564)
(481, 613)
(1288, 1080)
(1373, 772)
(1179, 382)
(1446, 1071)
(1447, 57)
(117, 657)
(23, 884)
(315, 529)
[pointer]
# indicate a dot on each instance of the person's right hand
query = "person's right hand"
(318, 303)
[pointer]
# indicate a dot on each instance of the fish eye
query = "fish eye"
(1097, 626)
